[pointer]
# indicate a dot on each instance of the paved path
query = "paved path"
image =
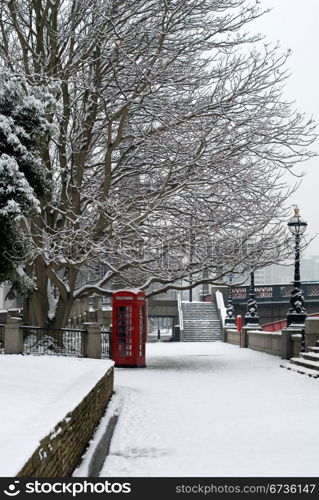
(213, 409)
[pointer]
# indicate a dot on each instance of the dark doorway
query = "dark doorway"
(160, 328)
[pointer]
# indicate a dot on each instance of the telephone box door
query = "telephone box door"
(129, 328)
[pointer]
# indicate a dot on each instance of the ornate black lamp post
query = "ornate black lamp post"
(230, 319)
(251, 316)
(297, 313)
(190, 290)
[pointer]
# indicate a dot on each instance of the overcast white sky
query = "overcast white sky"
(295, 24)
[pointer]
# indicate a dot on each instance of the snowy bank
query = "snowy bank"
(35, 394)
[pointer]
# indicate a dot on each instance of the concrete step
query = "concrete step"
(202, 332)
(199, 337)
(311, 356)
(192, 315)
(313, 365)
(313, 349)
(199, 317)
(301, 369)
(193, 320)
(199, 333)
(200, 314)
(198, 311)
(198, 307)
(202, 329)
(198, 326)
(204, 339)
(197, 304)
(200, 322)
(197, 340)
(198, 330)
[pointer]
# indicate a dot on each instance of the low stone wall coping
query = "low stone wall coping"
(262, 332)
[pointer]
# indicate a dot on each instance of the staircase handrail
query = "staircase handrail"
(221, 309)
(180, 312)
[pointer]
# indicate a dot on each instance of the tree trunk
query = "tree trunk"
(62, 312)
(36, 306)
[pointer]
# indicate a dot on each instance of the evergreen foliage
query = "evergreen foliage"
(22, 176)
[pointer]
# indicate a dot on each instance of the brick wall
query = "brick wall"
(59, 453)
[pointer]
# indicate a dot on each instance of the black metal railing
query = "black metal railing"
(61, 342)
(275, 293)
(106, 344)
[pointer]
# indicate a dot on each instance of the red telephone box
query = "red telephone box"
(129, 329)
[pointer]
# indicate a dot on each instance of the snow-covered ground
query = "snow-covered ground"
(213, 409)
(36, 392)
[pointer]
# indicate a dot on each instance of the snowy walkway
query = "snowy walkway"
(212, 409)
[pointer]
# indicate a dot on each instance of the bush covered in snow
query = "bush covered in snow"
(22, 176)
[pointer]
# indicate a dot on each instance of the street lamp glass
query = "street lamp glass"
(297, 225)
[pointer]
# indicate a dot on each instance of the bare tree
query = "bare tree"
(172, 140)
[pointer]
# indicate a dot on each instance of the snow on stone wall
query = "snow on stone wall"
(60, 451)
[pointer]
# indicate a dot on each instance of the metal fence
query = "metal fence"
(274, 293)
(106, 344)
(57, 342)
(62, 342)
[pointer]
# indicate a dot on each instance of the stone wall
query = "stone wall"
(296, 344)
(233, 336)
(162, 307)
(285, 344)
(265, 342)
(60, 452)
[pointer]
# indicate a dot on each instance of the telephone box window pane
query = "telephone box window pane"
(124, 332)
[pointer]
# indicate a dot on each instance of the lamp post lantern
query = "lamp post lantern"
(251, 316)
(297, 313)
